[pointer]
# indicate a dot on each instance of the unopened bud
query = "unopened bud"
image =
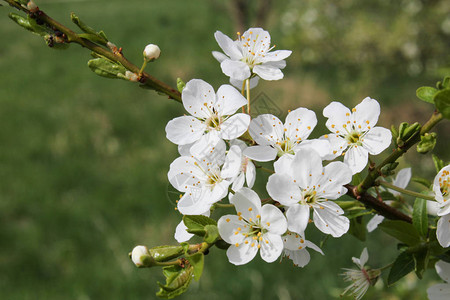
(32, 7)
(131, 76)
(141, 257)
(151, 52)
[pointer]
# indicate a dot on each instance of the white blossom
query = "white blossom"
(295, 248)
(254, 228)
(441, 291)
(212, 117)
(247, 171)
(441, 189)
(354, 132)
(139, 255)
(275, 138)
(360, 278)
(203, 181)
(304, 184)
(250, 54)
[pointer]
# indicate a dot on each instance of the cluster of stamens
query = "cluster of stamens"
(253, 49)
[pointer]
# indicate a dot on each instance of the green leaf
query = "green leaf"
(106, 68)
(197, 261)
(420, 216)
(421, 260)
(445, 256)
(177, 281)
(196, 224)
(212, 233)
(442, 101)
(438, 163)
(180, 85)
(427, 142)
(358, 228)
(90, 33)
(402, 266)
(402, 231)
(426, 93)
(166, 253)
(28, 23)
(385, 195)
(446, 82)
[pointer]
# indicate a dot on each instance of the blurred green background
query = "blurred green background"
(83, 159)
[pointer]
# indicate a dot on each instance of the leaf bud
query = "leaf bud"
(151, 52)
(389, 169)
(131, 76)
(180, 84)
(32, 7)
(141, 257)
(427, 142)
(166, 253)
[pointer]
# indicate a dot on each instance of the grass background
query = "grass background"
(83, 159)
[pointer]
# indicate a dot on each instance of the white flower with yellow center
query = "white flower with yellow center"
(354, 132)
(203, 182)
(441, 189)
(295, 248)
(212, 117)
(276, 139)
(247, 172)
(254, 228)
(304, 184)
(441, 291)
(250, 54)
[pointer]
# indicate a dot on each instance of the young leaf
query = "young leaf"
(402, 231)
(197, 261)
(212, 233)
(438, 163)
(106, 68)
(196, 224)
(420, 216)
(402, 266)
(442, 101)
(421, 260)
(426, 93)
(177, 281)
(166, 253)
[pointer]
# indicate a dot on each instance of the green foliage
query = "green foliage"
(403, 265)
(442, 101)
(197, 224)
(177, 281)
(180, 84)
(402, 231)
(426, 94)
(420, 216)
(358, 228)
(197, 261)
(166, 253)
(106, 68)
(211, 234)
(438, 163)
(90, 33)
(427, 142)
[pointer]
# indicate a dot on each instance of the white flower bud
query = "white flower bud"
(151, 52)
(32, 7)
(139, 255)
(131, 76)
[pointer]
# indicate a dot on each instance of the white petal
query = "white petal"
(273, 219)
(250, 174)
(432, 207)
(376, 140)
(232, 163)
(439, 292)
(268, 72)
(239, 143)
(314, 247)
(329, 219)
(366, 113)
(235, 126)
(184, 174)
(272, 250)
(181, 235)
(211, 147)
(374, 222)
(337, 145)
(321, 146)
(261, 153)
(356, 158)
(198, 97)
(298, 218)
(238, 83)
(227, 45)
(219, 56)
(337, 115)
(441, 176)
(443, 270)
(185, 150)
(228, 225)
(219, 191)
(283, 164)
(364, 257)
(443, 231)
(444, 208)
(281, 188)
(235, 69)
(238, 182)
(403, 177)
(300, 123)
(266, 129)
(307, 168)
(229, 100)
(277, 55)
(193, 203)
(246, 202)
(336, 174)
(184, 130)
(300, 258)
(242, 254)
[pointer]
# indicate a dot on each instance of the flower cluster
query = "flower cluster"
(217, 162)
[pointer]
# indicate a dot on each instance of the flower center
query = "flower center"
(213, 179)
(286, 146)
(214, 122)
(309, 196)
(354, 138)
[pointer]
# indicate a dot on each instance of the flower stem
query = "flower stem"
(143, 67)
(404, 191)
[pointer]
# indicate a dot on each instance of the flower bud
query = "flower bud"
(131, 76)
(32, 7)
(151, 52)
(141, 257)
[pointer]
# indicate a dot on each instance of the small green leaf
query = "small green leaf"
(177, 281)
(180, 85)
(196, 224)
(446, 82)
(197, 261)
(212, 233)
(402, 266)
(106, 68)
(442, 101)
(420, 216)
(402, 231)
(358, 228)
(426, 93)
(166, 253)
(28, 23)
(438, 163)
(427, 142)
(385, 195)
(421, 260)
